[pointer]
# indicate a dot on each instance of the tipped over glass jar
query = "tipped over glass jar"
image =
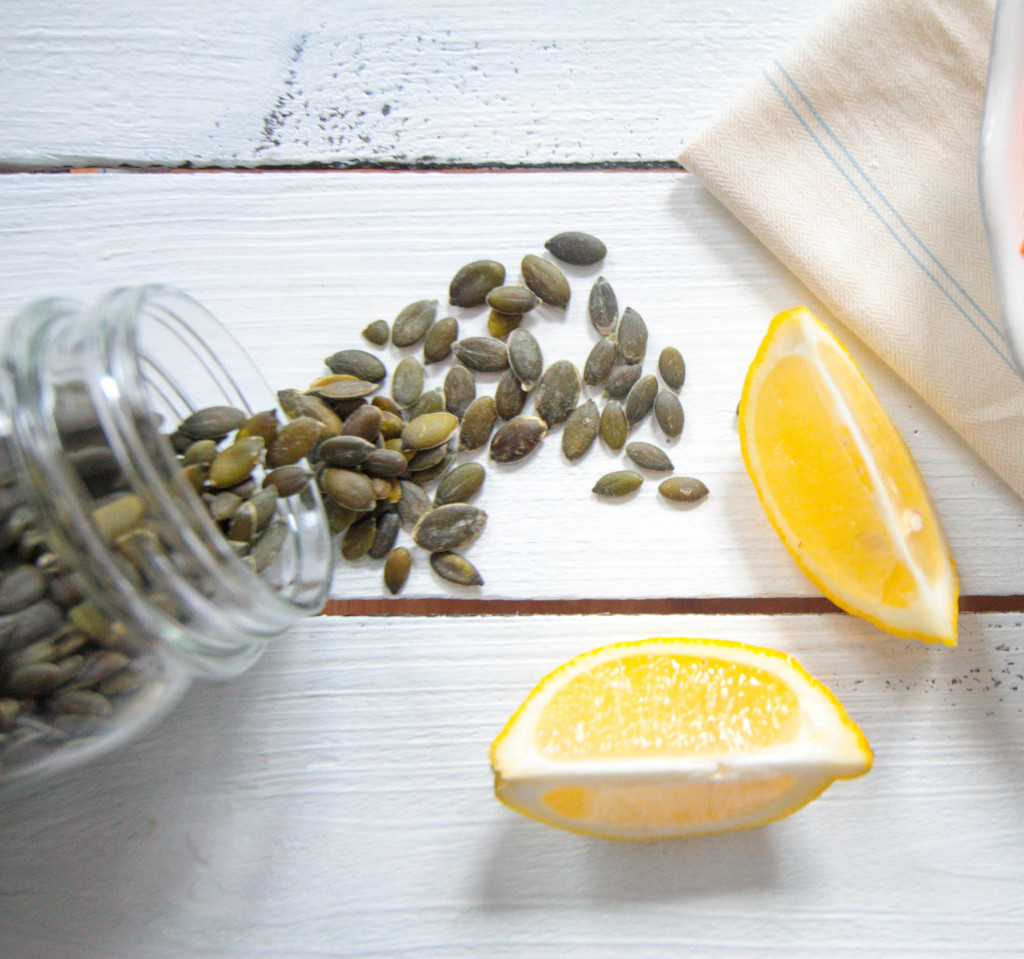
(134, 556)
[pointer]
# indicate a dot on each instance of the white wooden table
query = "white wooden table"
(336, 800)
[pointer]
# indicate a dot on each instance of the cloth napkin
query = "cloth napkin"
(853, 159)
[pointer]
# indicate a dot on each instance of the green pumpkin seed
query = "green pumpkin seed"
(459, 390)
(455, 568)
(407, 384)
(437, 344)
(477, 423)
(483, 354)
(500, 325)
(244, 524)
(622, 379)
(460, 484)
(429, 430)
(427, 459)
(414, 503)
(580, 249)
(363, 421)
(557, 392)
(357, 363)
(201, 452)
(391, 426)
(212, 422)
(335, 390)
(388, 525)
(672, 368)
(640, 399)
(546, 280)
(601, 361)
(234, 464)
(517, 439)
(294, 441)
(470, 286)
(265, 501)
(288, 480)
(378, 332)
(384, 462)
(349, 489)
(386, 405)
(21, 587)
(430, 402)
(683, 489)
(396, 569)
(618, 483)
(315, 408)
(509, 396)
(263, 424)
(289, 402)
(512, 300)
(36, 679)
(412, 323)
(339, 517)
(344, 452)
(603, 307)
(668, 411)
(614, 426)
(525, 358)
(80, 702)
(580, 431)
(358, 538)
(649, 457)
(222, 506)
(268, 545)
(449, 527)
(632, 336)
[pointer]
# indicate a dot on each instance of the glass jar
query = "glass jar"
(117, 585)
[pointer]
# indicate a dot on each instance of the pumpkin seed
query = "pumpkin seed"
(546, 281)
(344, 452)
(648, 456)
(21, 586)
(500, 325)
(263, 424)
(357, 363)
(391, 425)
(243, 525)
(222, 506)
(477, 423)
(412, 323)
(386, 463)
(668, 411)
(212, 422)
(427, 459)
(603, 307)
(265, 502)
(672, 368)
(437, 344)
(449, 527)
(580, 249)
(622, 379)
(396, 569)
(234, 464)
(363, 421)
(517, 439)
(460, 484)
(269, 544)
(378, 332)
(471, 284)
(34, 680)
(386, 405)
(509, 396)
(525, 358)
(455, 568)
(119, 515)
(407, 383)
(459, 390)
(683, 489)
(343, 389)
(614, 426)
(514, 300)
(557, 392)
(580, 431)
(289, 480)
(429, 430)
(80, 702)
(618, 483)
(632, 336)
(294, 441)
(414, 503)
(601, 361)
(388, 525)
(200, 452)
(483, 354)
(315, 408)
(358, 538)
(640, 399)
(349, 489)
(430, 402)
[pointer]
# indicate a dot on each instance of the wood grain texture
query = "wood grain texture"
(397, 81)
(296, 264)
(336, 801)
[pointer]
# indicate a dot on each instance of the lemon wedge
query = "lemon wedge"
(665, 738)
(840, 486)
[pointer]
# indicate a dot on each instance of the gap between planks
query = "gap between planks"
(382, 166)
(713, 606)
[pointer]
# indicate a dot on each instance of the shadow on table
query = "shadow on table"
(530, 864)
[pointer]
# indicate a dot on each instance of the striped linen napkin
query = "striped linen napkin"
(853, 158)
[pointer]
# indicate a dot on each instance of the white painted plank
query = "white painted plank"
(336, 801)
(297, 264)
(405, 81)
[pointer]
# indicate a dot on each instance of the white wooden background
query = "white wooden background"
(336, 800)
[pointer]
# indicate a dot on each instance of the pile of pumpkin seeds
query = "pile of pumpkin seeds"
(378, 455)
